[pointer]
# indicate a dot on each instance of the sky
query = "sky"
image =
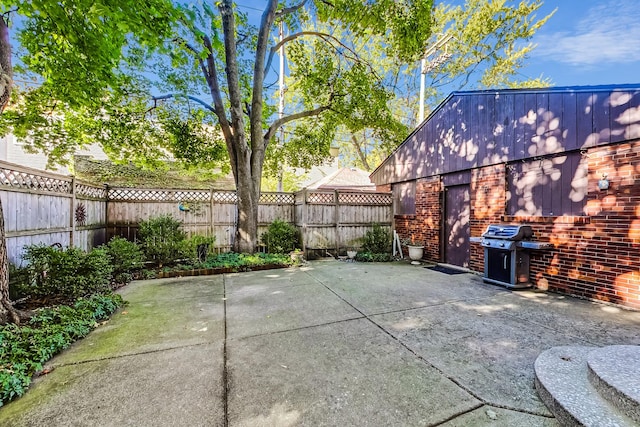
(586, 42)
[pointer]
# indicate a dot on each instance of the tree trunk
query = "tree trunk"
(6, 71)
(7, 312)
(248, 174)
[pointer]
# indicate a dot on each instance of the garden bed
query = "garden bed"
(217, 270)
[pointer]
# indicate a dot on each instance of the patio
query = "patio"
(330, 343)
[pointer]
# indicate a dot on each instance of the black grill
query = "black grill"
(505, 261)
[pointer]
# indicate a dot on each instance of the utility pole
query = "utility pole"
(427, 65)
(281, 103)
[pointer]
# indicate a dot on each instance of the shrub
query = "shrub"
(161, 238)
(377, 240)
(281, 237)
(24, 349)
(18, 279)
(126, 257)
(66, 274)
(196, 248)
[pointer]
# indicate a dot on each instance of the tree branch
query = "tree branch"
(291, 9)
(323, 36)
(211, 75)
(192, 98)
(286, 119)
(363, 157)
(257, 94)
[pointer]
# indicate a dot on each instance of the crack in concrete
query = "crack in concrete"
(428, 363)
(122, 356)
(225, 371)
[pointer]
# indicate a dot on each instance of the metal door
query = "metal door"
(456, 225)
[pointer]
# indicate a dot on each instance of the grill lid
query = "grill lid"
(508, 232)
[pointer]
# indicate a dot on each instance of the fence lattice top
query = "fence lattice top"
(377, 199)
(32, 181)
(277, 198)
(147, 195)
(91, 191)
(15, 176)
(329, 198)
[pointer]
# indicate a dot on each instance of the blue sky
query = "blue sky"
(586, 42)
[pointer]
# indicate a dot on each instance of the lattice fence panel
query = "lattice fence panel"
(320, 198)
(91, 191)
(277, 198)
(225, 197)
(376, 199)
(31, 181)
(149, 195)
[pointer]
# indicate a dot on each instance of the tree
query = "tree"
(216, 53)
(7, 312)
(75, 53)
(489, 44)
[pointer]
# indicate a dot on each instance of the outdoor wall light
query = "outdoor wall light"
(603, 184)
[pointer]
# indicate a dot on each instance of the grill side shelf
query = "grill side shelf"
(524, 244)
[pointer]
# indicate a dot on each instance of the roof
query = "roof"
(345, 179)
(470, 129)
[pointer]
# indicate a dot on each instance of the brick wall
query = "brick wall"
(596, 256)
(424, 227)
(487, 207)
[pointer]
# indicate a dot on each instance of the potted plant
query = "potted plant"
(351, 253)
(297, 256)
(416, 250)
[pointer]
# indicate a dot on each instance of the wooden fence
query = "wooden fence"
(46, 208)
(41, 207)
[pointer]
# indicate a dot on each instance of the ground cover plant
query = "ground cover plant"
(227, 261)
(24, 349)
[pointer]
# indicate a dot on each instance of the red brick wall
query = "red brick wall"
(596, 256)
(424, 227)
(487, 207)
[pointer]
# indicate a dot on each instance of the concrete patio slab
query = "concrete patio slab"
(151, 389)
(597, 323)
(492, 416)
(385, 287)
(329, 343)
(152, 321)
(273, 308)
(347, 373)
(488, 355)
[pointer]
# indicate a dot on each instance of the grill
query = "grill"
(506, 262)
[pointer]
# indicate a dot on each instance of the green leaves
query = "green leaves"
(24, 349)
(405, 24)
(490, 43)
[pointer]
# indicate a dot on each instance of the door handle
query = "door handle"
(504, 259)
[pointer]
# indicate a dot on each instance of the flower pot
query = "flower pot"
(415, 254)
(297, 256)
(352, 254)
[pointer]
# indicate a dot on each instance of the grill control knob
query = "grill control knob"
(501, 244)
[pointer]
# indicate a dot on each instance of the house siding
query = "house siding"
(596, 251)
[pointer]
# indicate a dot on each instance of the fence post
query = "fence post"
(336, 214)
(305, 215)
(72, 217)
(211, 209)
